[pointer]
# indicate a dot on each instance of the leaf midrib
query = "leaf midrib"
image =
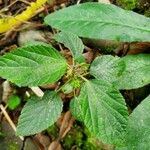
(35, 66)
(106, 102)
(105, 22)
(100, 101)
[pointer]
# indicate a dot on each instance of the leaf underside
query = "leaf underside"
(39, 113)
(33, 65)
(101, 21)
(103, 111)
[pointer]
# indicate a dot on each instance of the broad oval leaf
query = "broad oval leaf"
(73, 42)
(136, 73)
(107, 68)
(101, 21)
(39, 113)
(33, 65)
(138, 133)
(103, 111)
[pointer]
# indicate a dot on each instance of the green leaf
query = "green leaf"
(101, 21)
(138, 133)
(13, 102)
(76, 109)
(103, 111)
(72, 42)
(33, 65)
(136, 73)
(39, 113)
(107, 68)
(67, 88)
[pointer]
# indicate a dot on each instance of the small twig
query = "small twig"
(9, 120)
(104, 1)
(24, 1)
(83, 78)
(27, 94)
(37, 91)
(78, 2)
(7, 7)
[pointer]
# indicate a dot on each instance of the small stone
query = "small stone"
(9, 141)
(29, 36)
(30, 145)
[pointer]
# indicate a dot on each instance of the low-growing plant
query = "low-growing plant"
(99, 104)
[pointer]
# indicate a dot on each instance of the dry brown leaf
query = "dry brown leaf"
(136, 48)
(55, 145)
(66, 124)
(89, 56)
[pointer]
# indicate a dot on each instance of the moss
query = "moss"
(109, 49)
(53, 131)
(80, 139)
(13, 146)
(127, 4)
(147, 13)
(1, 135)
(73, 138)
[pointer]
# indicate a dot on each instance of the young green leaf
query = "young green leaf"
(33, 65)
(39, 113)
(138, 133)
(107, 68)
(136, 73)
(101, 21)
(67, 88)
(103, 111)
(72, 42)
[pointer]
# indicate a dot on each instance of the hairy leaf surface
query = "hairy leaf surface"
(76, 109)
(73, 42)
(136, 73)
(33, 65)
(138, 133)
(107, 68)
(101, 21)
(103, 111)
(39, 113)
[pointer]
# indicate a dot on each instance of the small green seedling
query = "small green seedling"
(13, 102)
